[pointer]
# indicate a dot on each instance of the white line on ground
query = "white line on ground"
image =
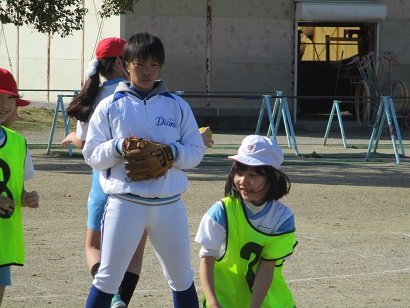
(351, 275)
(404, 234)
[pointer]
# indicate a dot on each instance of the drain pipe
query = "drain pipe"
(208, 49)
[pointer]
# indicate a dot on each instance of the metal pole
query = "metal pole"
(18, 57)
(208, 49)
(295, 74)
(329, 123)
(82, 49)
(48, 65)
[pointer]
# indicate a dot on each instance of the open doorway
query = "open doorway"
(325, 50)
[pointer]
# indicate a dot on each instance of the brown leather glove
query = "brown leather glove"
(145, 159)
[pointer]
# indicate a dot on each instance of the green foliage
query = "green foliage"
(46, 16)
(61, 17)
(116, 7)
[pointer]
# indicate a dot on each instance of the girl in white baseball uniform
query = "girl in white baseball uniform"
(107, 64)
(143, 108)
(246, 236)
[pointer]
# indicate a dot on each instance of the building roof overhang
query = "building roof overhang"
(335, 11)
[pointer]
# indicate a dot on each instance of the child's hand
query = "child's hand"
(71, 138)
(6, 207)
(206, 134)
(67, 140)
(213, 305)
(30, 199)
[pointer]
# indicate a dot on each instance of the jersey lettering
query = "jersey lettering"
(160, 121)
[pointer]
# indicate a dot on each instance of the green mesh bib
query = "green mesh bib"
(12, 160)
(245, 247)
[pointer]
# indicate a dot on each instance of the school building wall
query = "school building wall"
(69, 56)
(395, 37)
(252, 46)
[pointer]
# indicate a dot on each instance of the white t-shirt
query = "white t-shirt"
(273, 217)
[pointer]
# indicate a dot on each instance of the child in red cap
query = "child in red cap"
(107, 64)
(9, 86)
(16, 167)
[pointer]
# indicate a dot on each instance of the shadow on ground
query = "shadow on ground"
(328, 169)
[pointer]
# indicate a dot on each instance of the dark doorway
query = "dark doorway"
(325, 50)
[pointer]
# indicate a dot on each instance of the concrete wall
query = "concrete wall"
(252, 45)
(65, 55)
(395, 37)
(181, 27)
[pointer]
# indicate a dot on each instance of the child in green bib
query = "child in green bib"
(16, 167)
(246, 236)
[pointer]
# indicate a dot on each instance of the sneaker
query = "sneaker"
(116, 302)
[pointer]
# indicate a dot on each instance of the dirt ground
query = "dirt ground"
(352, 219)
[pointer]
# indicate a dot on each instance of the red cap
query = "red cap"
(9, 86)
(110, 47)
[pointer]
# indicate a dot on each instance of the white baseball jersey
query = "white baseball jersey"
(162, 117)
(154, 205)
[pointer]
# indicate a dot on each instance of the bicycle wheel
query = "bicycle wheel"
(362, 102)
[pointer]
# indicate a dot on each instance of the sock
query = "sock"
(95, 268)
(127, 287)
(98, 299)
(186, 299)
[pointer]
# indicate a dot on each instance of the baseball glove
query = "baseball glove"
(145, 159)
